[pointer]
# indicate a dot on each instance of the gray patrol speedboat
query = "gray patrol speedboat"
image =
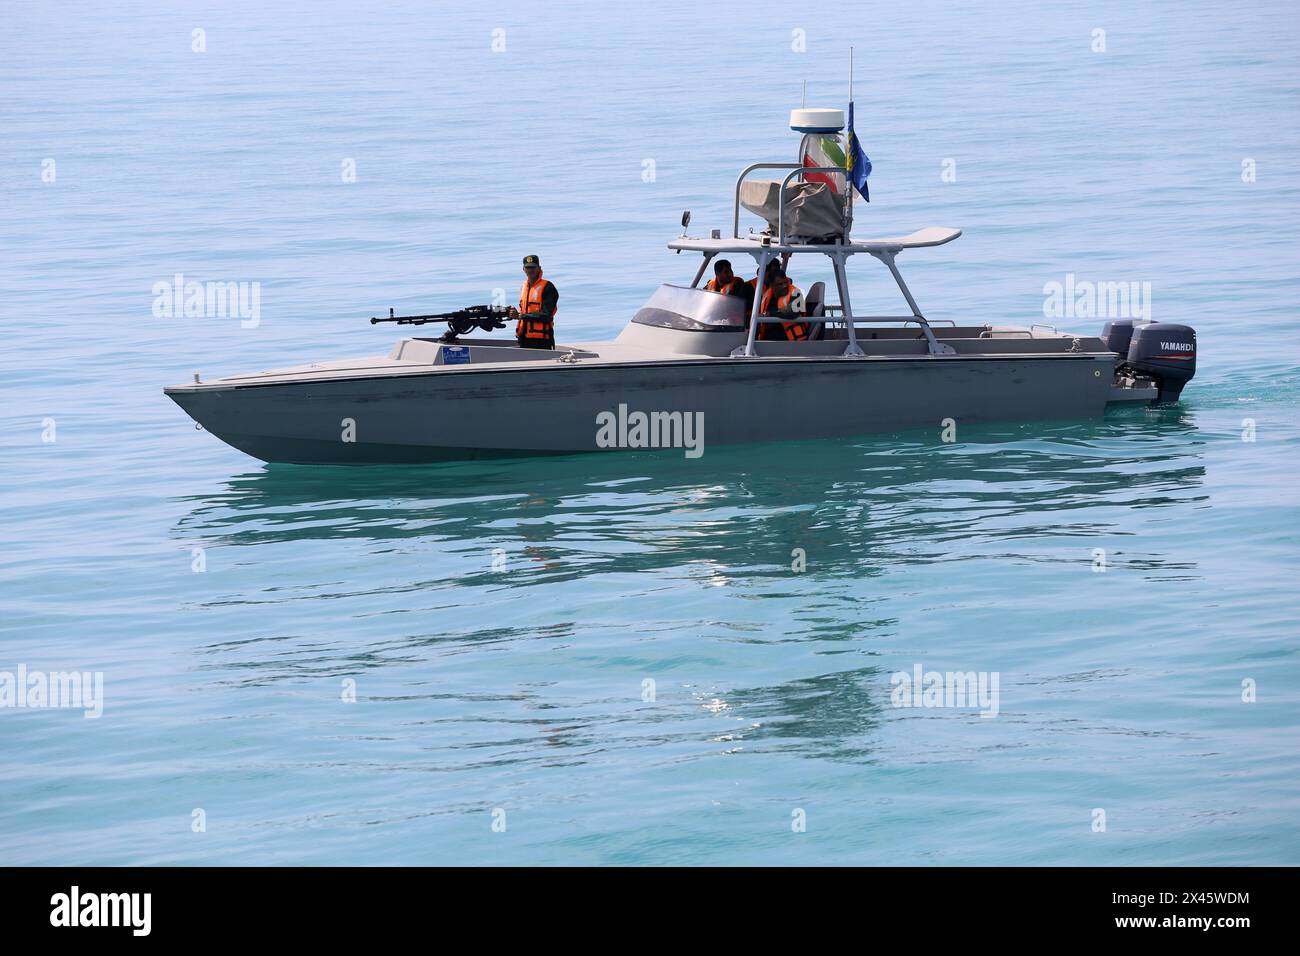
(690, 369)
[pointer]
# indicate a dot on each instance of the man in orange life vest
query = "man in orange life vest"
(536, 313)
(781, 297)
(728, 283)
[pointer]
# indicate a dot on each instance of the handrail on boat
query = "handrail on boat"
(796, 169)
(735, 208)
(834, 319)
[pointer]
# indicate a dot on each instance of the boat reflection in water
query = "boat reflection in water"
(636, 565)
(862, 506)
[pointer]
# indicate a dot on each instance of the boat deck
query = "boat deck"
(639, 345)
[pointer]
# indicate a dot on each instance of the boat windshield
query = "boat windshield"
(692, 310)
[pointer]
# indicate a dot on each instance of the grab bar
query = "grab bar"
(796, 169)
(735, 209)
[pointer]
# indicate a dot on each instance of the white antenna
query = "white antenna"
(805, 93)
(850, 74)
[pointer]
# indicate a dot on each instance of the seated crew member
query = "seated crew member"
(781, 297)
(728, 283)
(752, 286)
(772, 268)
(536, 313)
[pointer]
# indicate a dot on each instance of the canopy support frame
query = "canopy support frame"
(934, 345)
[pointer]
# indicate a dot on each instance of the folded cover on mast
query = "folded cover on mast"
(812, 210)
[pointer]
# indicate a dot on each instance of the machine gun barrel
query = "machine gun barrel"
(483, 315)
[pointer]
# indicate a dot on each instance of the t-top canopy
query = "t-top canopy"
(922, 238)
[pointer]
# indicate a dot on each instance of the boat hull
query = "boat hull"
(448, 415)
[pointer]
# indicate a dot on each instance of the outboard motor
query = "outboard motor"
(1117, 335)
(1164, 352)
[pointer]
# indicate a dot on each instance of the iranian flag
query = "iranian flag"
(823, 149)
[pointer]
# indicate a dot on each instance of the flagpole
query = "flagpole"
(848, 186)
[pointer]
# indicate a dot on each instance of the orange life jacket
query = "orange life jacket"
(794, 331)
(726, 289)
(530, 300)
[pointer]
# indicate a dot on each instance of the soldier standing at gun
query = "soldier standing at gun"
(536, 313)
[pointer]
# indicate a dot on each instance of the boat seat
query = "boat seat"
(814, 303)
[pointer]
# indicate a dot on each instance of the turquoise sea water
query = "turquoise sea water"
(498, 622)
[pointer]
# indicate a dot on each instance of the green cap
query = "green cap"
(532, 261)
